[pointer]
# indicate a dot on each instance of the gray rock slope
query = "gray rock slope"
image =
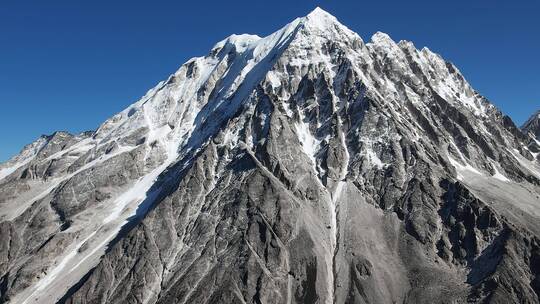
(304, 167)
(532, 129)
(532, 125)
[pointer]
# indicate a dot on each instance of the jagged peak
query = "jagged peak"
(240, 41)
(324, 21)
(406, 44)
(533, 119)
(318, 19)
(427, 51)
(383, 39)
(57, 134)
(320, 15)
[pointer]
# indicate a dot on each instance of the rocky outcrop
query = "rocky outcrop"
(531, 128)
(532, 125)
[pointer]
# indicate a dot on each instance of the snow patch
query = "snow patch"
(374, 159)
(369, 152)
(525, 163)
(310, 145)
(5, 172)
(499, 176)
(462, 168)
(459, 167)
(273, 79)
(44, 282)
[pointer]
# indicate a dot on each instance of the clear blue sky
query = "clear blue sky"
(69, 65)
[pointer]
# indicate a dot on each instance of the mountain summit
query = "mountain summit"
(307, 166)
(532, 125)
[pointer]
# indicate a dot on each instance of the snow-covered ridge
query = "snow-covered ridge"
(157, 109)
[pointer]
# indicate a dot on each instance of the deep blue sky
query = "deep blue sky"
(69, 65)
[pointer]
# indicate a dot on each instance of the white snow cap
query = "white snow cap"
(321, 15)
(317, 19)
(321, 19)
(241, 42)
(382, 39)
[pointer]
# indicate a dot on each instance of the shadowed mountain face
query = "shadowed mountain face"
(531, 128)
(532, 125)
(304, 167)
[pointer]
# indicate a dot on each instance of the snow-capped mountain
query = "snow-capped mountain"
(308, 166)
(531, 128)
(532, 125)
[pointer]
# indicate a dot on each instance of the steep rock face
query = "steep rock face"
(532, 125)
(531, 128)
(303, 167)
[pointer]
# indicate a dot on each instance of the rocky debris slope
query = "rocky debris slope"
(304, 167)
